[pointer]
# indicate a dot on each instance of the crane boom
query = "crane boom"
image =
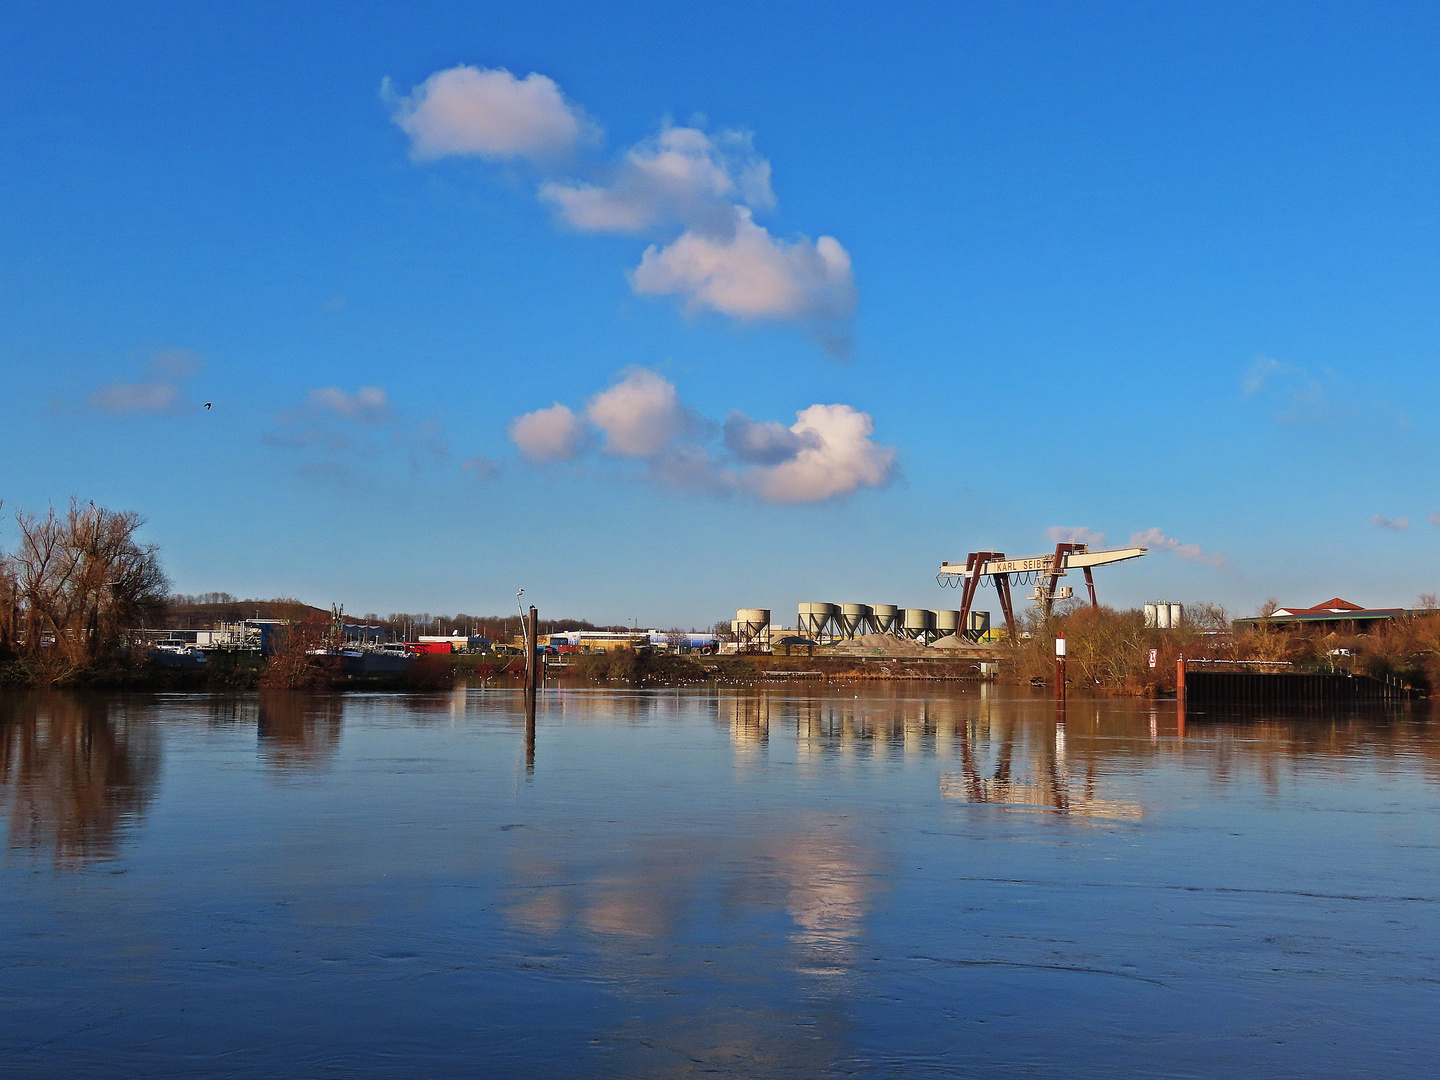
(1034, 563)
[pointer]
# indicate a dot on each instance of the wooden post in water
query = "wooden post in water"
(532, 665)
(1180, 678)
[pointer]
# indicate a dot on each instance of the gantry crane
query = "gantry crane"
(1045, 571)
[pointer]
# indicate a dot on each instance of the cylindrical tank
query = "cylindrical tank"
(886, 618)
(979, 623)
(916, 622)
(815, 619)
(1152, 617)
(855, 619)
(1177, 615)
(947, 622)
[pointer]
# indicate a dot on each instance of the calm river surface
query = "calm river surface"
(789, 881)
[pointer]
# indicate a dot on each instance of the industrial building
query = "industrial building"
(1334, 615)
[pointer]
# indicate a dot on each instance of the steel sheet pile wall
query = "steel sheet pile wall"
(1256, 688)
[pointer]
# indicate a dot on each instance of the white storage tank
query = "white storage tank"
(1163, 614)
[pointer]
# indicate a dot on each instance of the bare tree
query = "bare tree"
(83, 578)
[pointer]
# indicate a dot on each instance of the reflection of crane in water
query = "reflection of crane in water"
(1043, 571)
(1050, 788)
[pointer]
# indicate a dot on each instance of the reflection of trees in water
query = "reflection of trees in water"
(299, 731)
(75, 771)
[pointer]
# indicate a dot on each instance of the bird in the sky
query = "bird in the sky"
(207, 404)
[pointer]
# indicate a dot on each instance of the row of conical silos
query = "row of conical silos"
(820, 621)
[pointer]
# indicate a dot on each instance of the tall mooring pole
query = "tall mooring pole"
(532, 665)
(1060, 669)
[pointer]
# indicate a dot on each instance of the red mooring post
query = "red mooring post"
(1180, 679)
(1060, 669)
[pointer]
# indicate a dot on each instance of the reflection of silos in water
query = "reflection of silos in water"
(815, 620)
(947, 622)
(855, 619)
(750, 625)
(917, 623)
(886, 618)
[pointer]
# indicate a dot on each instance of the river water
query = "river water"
(787, 881)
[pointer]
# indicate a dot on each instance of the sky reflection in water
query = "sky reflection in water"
(792, 881)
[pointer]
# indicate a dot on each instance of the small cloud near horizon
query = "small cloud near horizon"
(1399, 524)
(1156, 539)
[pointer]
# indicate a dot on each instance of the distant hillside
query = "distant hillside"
(198, 612)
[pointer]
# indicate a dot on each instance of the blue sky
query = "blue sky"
(1134, 268)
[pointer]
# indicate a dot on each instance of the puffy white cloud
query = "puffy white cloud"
(681, 175)
(704, 185)
(367, 405)
(640, 415)
(1385, 524)
(1074, 534)
(752, 275)
(840, 458)
(489, 113)
(145, 397)
(1155, 538)
(552, 434)
(826, 453)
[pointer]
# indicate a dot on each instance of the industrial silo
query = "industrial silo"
(917, 623)
(947, 622)
(886, 618)
(815, 620)
(855, 619)
(750, 626)
(1177, 613)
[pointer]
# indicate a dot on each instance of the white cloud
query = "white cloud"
(489, 113)
(840, 458)
(1155, 538)
(640, 415)
(751, 275)
(1074, 534)
(153, 397)
(826, 453)
(367, 405)
(1399, 524)
(681, 175)
(552, 434)
(705, 186)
